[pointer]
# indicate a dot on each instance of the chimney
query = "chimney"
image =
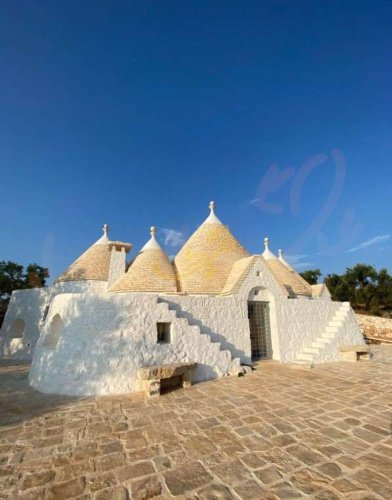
(118, 252)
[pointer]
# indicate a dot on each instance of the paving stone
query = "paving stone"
(283, 440)
(348, 462)
(330, 469)
(135, 470)
(66, 490)
(119, 493)
(101, 481)
(377, 462)
(85, 451)
(285, 491)
(112, 461)
(252, 461)
(309, 481)
(369, 437)
(268, 475)
(215, 492)
(305, 455)
(186, 478)
(162, 463)
(250, 490)
(231, 472)
(326, 495)
(375, 482)
(345, 486)
(112, 447)
(197, 446)
(149, 487)
(33, 480)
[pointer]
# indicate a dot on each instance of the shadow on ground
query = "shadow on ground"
(18, 401)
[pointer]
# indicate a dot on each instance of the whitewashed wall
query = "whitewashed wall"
(29, 306)
(302, 322)
(105, 338)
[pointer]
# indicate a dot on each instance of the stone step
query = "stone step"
(328, 335)
(311, 350)
(320, 343)
(336, 322)
(306, 357)
(331, 329)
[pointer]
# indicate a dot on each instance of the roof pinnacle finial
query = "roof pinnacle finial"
(105, 229)
(212, 205)
(153, 231)
(280, 253)
(266, 242)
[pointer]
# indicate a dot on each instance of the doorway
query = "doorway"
(260, 330)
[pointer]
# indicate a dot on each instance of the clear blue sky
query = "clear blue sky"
(139, 113)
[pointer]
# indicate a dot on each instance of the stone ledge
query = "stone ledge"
(152, 378)
(157, 372)
(354, 353)
(356, 348)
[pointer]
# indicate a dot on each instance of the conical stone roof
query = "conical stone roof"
(204, 263)
(150, 271)
(93, 264)
(285, 274)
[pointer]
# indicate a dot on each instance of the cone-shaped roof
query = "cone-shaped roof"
(150, 271)
(93, 264)
(204, 263)
(283, 260)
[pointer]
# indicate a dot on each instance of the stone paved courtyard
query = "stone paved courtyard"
(277, 433)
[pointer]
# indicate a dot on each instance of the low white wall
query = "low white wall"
(28, 306)
(348, 334)
(302, 321)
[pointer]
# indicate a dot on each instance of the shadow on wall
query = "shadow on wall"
(18, 339)
(102, 357)
(214, 336)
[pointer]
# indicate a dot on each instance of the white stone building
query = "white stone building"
(214, 305)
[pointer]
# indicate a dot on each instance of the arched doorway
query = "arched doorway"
(260, 324)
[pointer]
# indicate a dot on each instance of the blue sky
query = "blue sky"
(140, 113)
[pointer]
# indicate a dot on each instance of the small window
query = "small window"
(163, 333)
(256, 292)
(45, 314)
(258, 274)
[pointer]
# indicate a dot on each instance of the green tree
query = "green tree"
(339, 288)
(311, 276)
(364, 287)
(363, 278)
(15, 277)
(383, 294)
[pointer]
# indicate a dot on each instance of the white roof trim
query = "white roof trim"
(212, 218)
(152, 243)
(104, 239)
(267, 254)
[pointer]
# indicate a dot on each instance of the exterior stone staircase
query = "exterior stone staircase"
(309, 353)
(225, 363)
